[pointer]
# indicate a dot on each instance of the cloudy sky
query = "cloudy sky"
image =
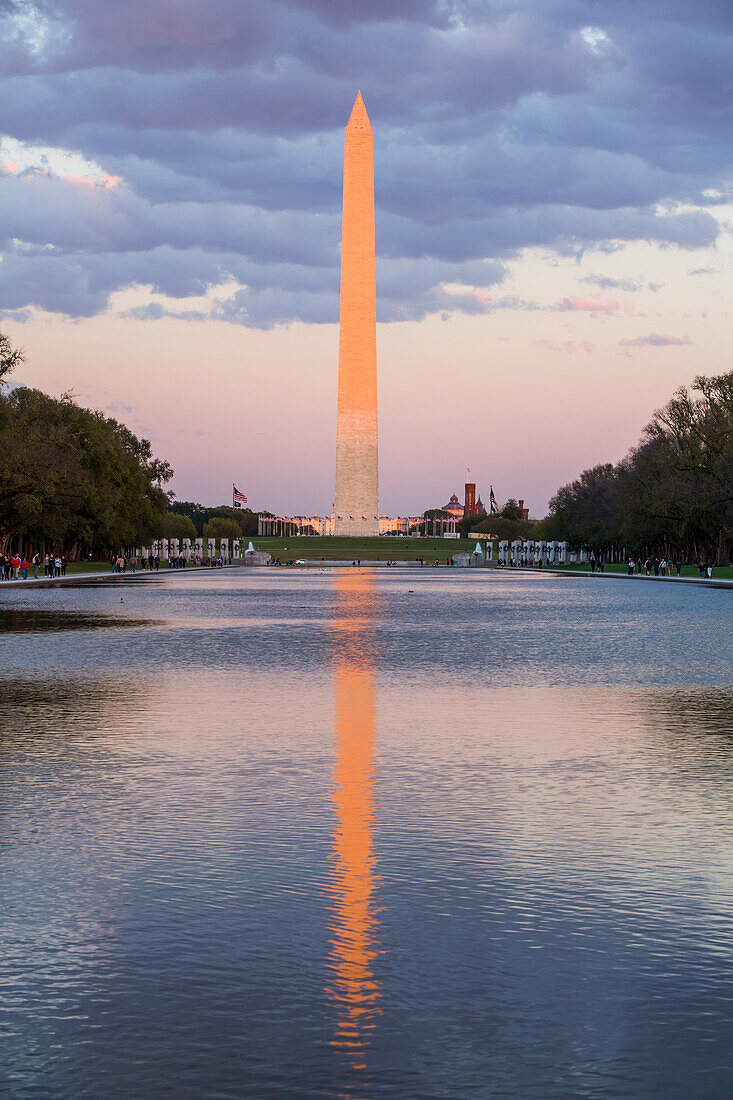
(553, 187)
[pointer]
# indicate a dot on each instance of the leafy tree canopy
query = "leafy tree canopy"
(221, 528)
(178, 527)
(673, 493)
(201, 514)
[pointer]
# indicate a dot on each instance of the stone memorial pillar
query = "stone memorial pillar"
(164, 549)
(236, 549)
(211, 548)
(224, 551)
(503, 551)
(187, 549)
(174, 548)
(561, 550)
(199, 548)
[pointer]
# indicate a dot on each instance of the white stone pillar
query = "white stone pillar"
(174, 548)
(187, 549)
(211, 548)
(236, 553)
(224, 551)
(199, 548)
(561, 552)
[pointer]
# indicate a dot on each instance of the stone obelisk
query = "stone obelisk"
(356, 503)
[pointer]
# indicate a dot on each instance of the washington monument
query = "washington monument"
(356, 502)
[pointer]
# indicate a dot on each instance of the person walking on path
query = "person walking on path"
(36, 563)
(24, 568)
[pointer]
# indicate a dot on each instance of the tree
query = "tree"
(221, 528)
(500, 528)
(197, 513)
(672, 494)
(584, 513)
(201, 514)
(178, 527)
(511, 510)
(9, 357)
(74, 479)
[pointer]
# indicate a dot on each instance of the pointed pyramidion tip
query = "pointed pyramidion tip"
(358, 119)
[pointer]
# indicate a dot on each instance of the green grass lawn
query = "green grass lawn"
(315, 548)
(88, 567)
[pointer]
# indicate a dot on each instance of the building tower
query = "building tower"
(356, 502)
(469, 498)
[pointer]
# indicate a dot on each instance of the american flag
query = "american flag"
(492, 501)
(239, 498)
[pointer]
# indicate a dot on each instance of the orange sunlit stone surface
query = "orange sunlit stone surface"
(356, 502)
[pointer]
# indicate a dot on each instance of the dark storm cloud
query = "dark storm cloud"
(498, 126)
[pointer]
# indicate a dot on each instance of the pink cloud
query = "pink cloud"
(589, 305)
(568, 346)
(655, 340)
(10, 166)
(105, 181)
(459, 290)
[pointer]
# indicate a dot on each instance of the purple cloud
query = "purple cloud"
(498, 127)
(655, 340)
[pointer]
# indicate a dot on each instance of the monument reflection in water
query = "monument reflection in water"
(353, 988)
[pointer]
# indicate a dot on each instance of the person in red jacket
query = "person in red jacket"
(15, 566)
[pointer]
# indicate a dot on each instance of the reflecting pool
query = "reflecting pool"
(396, 833)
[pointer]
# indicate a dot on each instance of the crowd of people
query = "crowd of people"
(124, 563)
(15, 567)
(662, 567)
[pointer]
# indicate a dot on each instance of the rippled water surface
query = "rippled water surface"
(353, 834)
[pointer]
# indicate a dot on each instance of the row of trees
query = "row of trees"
(73, 479)
(671, 496)
(508, 523)
(187, 519)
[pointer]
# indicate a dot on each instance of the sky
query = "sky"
(553, 227)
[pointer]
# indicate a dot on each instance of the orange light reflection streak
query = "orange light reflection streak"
(354, 924)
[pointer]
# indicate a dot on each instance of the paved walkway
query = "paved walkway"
(107, 575)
